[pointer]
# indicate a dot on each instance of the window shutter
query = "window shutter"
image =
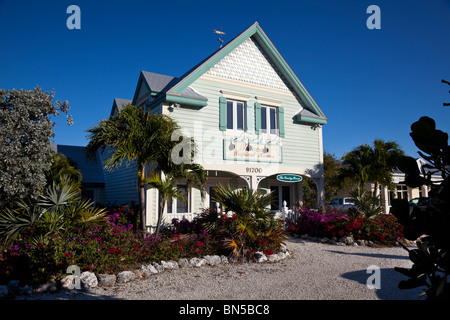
(257, 118)
(281, 121)
(222, 113)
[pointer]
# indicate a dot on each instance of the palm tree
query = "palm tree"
(252, 219)
(385, 157)
(137, 136)
(167, 188)
(356, 165)
(57, 210)
(371, 164)
(62, 167)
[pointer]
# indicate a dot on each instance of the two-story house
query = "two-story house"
(254, 123)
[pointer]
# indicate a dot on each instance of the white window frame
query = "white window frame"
(268, 130)
(174, 203)
(234, 115)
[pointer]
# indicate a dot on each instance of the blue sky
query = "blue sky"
(370, 83)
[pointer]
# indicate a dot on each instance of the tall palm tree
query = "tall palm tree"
(371, 163)
(137, 136)
(356, 165)
(385, 155)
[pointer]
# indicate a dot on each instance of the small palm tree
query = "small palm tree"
(252, 219)
(62, 167)
(167, 188)
(57, 210)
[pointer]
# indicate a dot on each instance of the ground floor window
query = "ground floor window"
(177, 206)
(402, 191)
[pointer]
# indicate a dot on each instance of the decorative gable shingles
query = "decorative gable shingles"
(248, 63)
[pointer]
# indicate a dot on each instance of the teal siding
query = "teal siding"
(301, 145)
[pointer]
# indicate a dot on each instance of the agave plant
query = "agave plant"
(57, 210)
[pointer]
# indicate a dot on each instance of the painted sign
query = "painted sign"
(257, 152)
(289, 177)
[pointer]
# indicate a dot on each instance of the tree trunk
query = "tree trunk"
(161, 211)
(141, 177)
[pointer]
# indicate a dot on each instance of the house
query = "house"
(399, 190)
(254, 123)
(93, 181)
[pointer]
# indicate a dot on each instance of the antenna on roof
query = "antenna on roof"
(220, 32)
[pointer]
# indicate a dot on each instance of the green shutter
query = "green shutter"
(281, 121)
(257, 118)
(222, 113)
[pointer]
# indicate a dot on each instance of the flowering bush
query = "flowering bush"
(108, 248)
(329, 222)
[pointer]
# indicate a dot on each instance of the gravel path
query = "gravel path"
(315, 271)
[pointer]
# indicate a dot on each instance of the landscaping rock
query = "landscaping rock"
(68, 282)
(158, 267)
(169, 265)
(150, 268)
(13, 287)
(273, 258)
(347, 240)
(283, 248)
(197, 262)
(52, 286)
(125, 276)
(3, 291)
(106, 280)
(184, 263)
(223, 259)
(212, 260)
(260, 257)
(324, 240)
(88, 280)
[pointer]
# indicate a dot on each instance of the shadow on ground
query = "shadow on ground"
(373, 255)
(389, 280)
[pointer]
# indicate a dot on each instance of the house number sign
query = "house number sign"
(253, 170)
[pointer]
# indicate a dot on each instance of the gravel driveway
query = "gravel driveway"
(315, 271)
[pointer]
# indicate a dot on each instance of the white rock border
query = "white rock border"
(89, 280)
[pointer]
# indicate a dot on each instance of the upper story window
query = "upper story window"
(236, 117)
(269, 120)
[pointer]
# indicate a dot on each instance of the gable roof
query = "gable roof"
(118, 105)
(178, 90)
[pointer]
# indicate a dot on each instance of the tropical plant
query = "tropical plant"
(25, 133)
(366, 202)
(428, 225)
(371, 164)
(167, 188)
(250, 220)
(61, 166)
(56, 211)
(135, 136)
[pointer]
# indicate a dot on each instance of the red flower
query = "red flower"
(200, 244)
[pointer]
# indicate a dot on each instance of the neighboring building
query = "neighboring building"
(251, 119)
(93, 181)
(400, 190)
